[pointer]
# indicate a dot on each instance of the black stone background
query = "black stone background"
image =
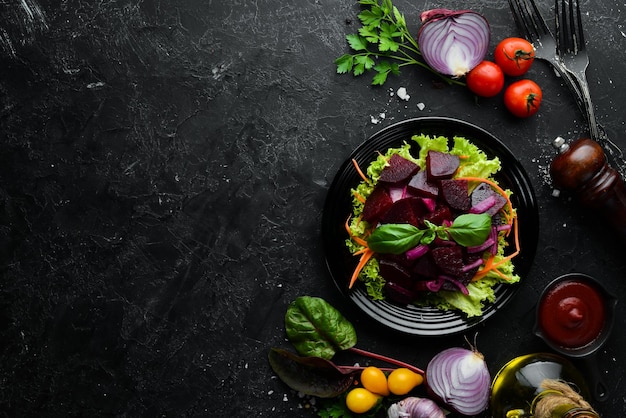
(163, 168)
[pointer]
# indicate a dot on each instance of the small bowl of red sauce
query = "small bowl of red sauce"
(575, 315)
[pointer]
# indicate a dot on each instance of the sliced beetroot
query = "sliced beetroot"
(397, 192)
(405, 211)
(377, 204)
(394, 272)
(484, 191)
(481, 192)
(441, 165)
(456, 194)
(398, 169)
(430, 204)
(452, 284)
(399, 294)
(425, 268)
(400, 259)
(497, 207)
(441, 214)
(449, 260)
(469, 273)
(420, 185)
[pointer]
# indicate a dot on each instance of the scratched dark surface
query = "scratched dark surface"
(163, 169)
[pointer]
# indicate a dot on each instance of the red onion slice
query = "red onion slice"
(461, 379)
(453, 42)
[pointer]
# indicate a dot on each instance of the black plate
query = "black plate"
(409, 319)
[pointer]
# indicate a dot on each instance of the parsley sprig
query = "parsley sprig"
(383, 44)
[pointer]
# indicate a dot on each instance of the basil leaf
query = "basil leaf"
(396, 238)
(470, 229)
(310, 375)
(315, 328)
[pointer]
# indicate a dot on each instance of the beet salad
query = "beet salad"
(434, 229)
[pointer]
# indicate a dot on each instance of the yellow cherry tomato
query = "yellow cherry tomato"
(361, 400)
(401, 381)
(374, 380)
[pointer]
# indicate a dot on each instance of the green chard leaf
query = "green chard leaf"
(316, 328)
(310, 375)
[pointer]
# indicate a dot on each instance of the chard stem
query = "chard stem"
(386, 359)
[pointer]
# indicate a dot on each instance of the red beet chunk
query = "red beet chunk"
(449, 260)
(455, 193)
(377, 203)
(421, 187)
(398, 294)
(439, 215)
(394, 272)
(484, 191)
(481, 192)
(441, 165)
(425, 268)
(405, 211)
(467, 276)
(399, 169)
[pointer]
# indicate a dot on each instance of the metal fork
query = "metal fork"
(533, 27)
(570, 41)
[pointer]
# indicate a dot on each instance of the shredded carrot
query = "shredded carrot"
(486, 268)
(365, 257)
(358, 170)
(359, 197)
(490, 265)
(356, 239)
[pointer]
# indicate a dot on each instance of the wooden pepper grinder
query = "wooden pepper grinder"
(582, 169)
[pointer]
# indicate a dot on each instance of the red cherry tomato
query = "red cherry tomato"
(523, 98)
(514, 56)
(486, 79)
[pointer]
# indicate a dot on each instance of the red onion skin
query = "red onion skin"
(442, 390)
(441, 13)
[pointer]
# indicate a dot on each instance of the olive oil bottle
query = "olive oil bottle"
(540, 385)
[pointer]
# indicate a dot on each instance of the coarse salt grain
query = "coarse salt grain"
(402, 94)
(376, 119)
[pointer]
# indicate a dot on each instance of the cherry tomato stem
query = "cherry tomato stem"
(514, 55)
